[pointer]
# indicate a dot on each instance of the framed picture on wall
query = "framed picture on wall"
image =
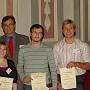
(48, 19)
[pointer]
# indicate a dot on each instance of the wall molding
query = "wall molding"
(88, 20)
(54, 23)
(81, 19)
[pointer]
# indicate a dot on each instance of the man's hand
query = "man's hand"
(71, 64)
(27, 79)
(59, 86)
(52, 88)
(83, 66)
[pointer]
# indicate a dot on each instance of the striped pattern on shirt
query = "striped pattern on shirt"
(78, 51)
(33, 60)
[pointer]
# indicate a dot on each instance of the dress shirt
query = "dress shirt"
(14, 38)
(78, 51)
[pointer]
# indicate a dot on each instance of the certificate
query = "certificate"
(68, 78)
(39, 81)
(6, 83)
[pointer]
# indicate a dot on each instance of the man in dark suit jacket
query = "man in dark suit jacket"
(19, 41)
(9, 26)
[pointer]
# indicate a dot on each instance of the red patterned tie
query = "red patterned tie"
(10, 46)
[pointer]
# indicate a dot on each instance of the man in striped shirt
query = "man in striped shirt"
(72, 52)
(37, 57)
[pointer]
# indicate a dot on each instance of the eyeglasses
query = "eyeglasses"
(6, 26)
(2, 49)
(39, 33)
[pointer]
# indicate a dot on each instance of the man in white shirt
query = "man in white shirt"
(72, 52)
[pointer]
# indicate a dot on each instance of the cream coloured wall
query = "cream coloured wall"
(22, 13)
(27, 13)
(68, 9)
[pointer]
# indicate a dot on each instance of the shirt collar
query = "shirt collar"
(14, 35)
(73, 42)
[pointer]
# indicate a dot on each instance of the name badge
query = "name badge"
(76, 50)
(20, 46)
(9, 70)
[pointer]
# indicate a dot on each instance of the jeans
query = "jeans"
(80, 83)
(27, 87)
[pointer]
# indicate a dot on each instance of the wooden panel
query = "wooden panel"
(2, 13)
(48, 19)
(9, 7)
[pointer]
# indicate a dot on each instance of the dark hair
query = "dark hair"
(8, 17)
(37, 26)
(4, 44)
(69, 21)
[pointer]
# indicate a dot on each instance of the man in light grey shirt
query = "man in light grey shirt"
(72, 52)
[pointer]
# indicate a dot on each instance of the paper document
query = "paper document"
(68, 78)
(39, 81)
(6, 83)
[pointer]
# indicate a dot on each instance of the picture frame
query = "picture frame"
(48, 19)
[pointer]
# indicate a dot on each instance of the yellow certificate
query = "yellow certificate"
(6, 83)
(68, 78)
(39, 81)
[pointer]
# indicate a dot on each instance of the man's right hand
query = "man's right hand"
(27, 79)
(59, 86)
